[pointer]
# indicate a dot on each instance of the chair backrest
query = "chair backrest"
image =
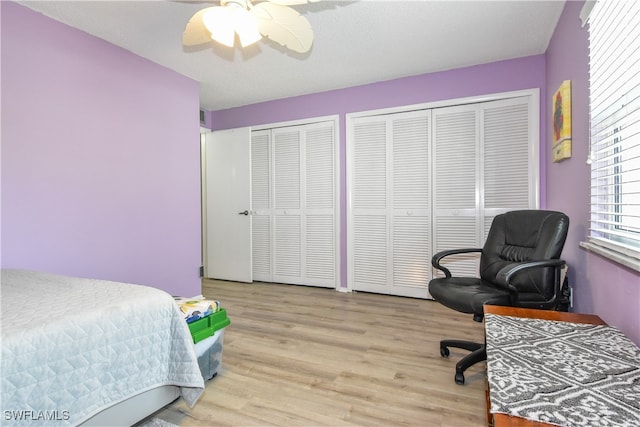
(526, 235)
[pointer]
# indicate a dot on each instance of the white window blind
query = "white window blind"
(614, 50)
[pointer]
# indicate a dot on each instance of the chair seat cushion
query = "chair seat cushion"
(467, 294)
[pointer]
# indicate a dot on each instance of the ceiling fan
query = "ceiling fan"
(272, 18)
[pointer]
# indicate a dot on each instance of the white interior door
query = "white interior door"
(228, 204)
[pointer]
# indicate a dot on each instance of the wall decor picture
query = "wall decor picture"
(561, 120)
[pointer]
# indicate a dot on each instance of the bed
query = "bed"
(90, 352)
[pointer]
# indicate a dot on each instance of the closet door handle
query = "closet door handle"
(243, 213)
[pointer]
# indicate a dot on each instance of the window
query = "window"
(614, 85)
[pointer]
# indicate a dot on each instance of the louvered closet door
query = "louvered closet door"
(482, 167)
(508, 161)
(389, 227)
(261, 205)
(319, 215)
(294, 199)
(287, 216)
(410, 204)
(456, 145)
(368, 230)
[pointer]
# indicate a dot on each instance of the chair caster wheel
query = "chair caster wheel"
(444, 351)
(459, 378)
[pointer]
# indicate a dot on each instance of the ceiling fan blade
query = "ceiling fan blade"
(292, 2)
(195, 32)
(284, 25)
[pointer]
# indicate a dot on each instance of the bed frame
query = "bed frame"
(136, 408)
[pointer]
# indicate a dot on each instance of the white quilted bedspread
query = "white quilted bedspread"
(72, 347)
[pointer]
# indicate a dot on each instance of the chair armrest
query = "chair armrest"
(435, 260)
(503, 278)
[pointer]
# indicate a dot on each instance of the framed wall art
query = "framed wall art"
(561, 121)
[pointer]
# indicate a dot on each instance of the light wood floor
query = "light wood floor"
(303, 356)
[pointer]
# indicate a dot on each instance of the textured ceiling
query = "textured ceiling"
(356, 42)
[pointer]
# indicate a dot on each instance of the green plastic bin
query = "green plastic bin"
(207, 326)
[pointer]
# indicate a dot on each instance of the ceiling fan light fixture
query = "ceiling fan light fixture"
(246, 26)
(218, 22)
(251, 22)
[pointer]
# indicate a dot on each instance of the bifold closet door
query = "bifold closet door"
(320, 210)
(509, 159)
(430, 180)
(261, 205)
(456, 177)
(389, 218)
(484, 165)
(294, 199)
(287, 212)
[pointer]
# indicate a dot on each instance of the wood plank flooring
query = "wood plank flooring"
(304, 356)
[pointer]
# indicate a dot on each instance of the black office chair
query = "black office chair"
(519, 267)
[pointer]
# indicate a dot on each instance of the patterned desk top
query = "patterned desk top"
(562, 373)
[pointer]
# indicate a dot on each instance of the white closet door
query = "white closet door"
(320, 256)
(410, 204)
(425, 181)
(508, 161)
(484, 166)
(287, 237)
(295, 204)
(456, 142)
(368, 227)
(389, 225)
(261, 205)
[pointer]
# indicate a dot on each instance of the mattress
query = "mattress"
(72, 347)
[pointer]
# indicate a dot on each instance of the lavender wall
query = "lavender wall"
(600, 286)
(505, 76)
(100, 159)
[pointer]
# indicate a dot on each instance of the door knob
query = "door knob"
(243, 213)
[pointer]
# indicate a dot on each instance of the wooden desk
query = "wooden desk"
(544, 314)
(503, 420)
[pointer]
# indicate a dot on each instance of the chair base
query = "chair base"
(478, 354)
